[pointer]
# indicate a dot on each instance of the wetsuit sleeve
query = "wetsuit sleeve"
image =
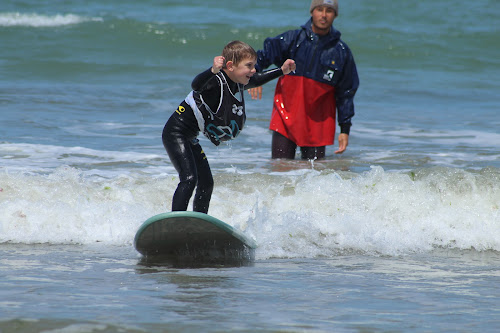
(261, 78)
(344, 93)
(201, 80)
(208, 86)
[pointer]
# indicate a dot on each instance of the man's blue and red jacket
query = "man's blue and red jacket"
(326, 79)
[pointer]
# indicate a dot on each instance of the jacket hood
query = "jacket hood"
(334, 34)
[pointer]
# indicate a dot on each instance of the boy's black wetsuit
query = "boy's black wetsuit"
(217, 108)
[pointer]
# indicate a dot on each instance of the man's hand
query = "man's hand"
(256, 93)
(343, 142)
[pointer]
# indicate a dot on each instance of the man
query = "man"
(326, 80)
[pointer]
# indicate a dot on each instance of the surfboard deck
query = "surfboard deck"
(192, 238)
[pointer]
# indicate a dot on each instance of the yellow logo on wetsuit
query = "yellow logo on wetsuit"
(180, 109)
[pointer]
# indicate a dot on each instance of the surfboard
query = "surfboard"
(193, 238)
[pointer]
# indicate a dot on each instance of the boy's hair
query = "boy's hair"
(236, 51)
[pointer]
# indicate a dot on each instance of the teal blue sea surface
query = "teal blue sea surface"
(401, 233)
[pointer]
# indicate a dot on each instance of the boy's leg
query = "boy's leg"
(181, 155)
(205, 180)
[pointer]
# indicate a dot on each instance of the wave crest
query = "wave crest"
(37, 20)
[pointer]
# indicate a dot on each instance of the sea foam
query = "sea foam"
(38, 20)
(307, 214)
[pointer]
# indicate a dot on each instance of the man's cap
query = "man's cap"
(327, 3)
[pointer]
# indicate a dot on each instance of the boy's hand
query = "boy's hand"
(218, 64)
(288, 66)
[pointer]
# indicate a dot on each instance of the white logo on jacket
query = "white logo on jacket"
(329, 75)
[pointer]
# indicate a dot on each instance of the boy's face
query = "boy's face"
(243, 71)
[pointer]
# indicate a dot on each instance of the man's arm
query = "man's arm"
(344, 93)
(275, 50)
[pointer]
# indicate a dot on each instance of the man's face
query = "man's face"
(322, 19)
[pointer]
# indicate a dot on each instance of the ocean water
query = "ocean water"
(400, 233)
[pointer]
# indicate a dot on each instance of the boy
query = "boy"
(217, 108)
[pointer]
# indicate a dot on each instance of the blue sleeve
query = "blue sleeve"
(345, 90)
(275, 50)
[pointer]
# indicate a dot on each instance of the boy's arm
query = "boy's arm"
(203, 78)
(261, 78)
